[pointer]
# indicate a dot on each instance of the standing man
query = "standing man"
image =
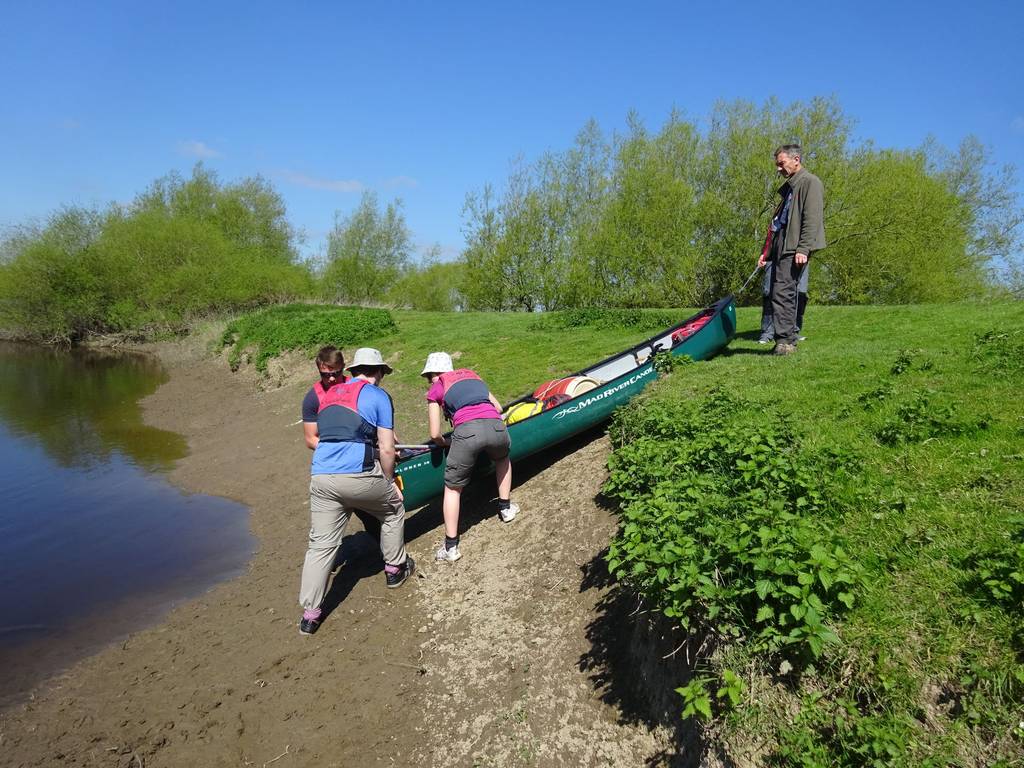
(797, 231)
(347, 423)
(475, 414)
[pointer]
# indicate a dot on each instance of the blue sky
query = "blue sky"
(427, 101)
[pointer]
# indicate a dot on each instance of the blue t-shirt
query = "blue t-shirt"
(374, 405)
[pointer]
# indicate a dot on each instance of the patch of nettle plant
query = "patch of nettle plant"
(306, 327)
(665, 362)
(995, 576)
(827, 734)
(1000, 352)
(727, 527)
(921, 416)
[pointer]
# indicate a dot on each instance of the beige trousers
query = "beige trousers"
(331, 501)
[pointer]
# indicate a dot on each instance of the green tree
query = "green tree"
(367, 252)
(430, 286)
(640, 252)
(520, 249)
(184, 247)
(483, 228)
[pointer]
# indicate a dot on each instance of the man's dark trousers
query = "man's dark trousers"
(785, 279)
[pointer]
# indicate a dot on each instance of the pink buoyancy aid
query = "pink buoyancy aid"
(338, 419)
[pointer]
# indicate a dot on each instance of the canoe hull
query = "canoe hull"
(423, 475)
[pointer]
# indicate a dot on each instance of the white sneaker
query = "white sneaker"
(508, 515)
(451, 555)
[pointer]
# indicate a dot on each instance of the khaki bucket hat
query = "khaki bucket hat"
(368, 356)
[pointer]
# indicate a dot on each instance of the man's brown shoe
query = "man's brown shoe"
(784, 349)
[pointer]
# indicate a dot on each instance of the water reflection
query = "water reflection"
(94, 542)
(83, 405)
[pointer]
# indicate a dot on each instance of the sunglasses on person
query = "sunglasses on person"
(332, 374)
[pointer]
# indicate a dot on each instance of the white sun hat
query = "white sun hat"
(438, 362)
(370, 357)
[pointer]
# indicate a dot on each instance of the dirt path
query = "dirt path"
(503, 658)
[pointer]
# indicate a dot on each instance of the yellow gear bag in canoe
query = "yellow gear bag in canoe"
(521, 411)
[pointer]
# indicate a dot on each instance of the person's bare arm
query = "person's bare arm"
(311, 433)
(494, 402)
(434, 419)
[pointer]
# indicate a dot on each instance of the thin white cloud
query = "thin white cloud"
(401, 181)
(197, 149)
(312, 182)
(1018, 124)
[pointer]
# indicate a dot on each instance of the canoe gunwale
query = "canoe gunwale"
(574, 425)
(713, 310)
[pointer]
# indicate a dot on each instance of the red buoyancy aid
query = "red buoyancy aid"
(338, 419)
(462, 388)
(680, 334)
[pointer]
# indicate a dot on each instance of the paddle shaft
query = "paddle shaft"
(756, 270)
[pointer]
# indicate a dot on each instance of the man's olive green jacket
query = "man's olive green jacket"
(805, 230)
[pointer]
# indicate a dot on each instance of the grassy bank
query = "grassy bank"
(842, 533)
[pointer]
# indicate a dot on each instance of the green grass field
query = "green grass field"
(919, 410)
(904, 429)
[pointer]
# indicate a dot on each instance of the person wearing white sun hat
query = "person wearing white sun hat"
(349, 425)
(475, 414)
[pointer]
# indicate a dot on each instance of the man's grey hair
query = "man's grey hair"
(793, 150)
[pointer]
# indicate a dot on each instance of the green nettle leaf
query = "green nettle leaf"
(764, 613)
(763, 587)
(816, 645)
(703, 706)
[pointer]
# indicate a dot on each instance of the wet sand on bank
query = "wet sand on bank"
(489, 662)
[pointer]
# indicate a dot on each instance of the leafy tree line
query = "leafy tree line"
(184, 247)
(676, 217)
(642, 219)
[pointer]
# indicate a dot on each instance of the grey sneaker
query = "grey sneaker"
(508, 515)
(801, 338)
(450, 555)
(764, 340)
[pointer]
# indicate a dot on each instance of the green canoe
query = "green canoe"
(623, 375)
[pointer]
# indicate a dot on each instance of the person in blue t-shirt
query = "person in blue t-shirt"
(349, 425)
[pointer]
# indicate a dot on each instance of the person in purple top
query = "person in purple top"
(475, 414)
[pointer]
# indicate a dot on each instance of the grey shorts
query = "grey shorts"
(469, 440)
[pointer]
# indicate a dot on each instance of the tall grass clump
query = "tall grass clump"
(268, 333)
(183, 248)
